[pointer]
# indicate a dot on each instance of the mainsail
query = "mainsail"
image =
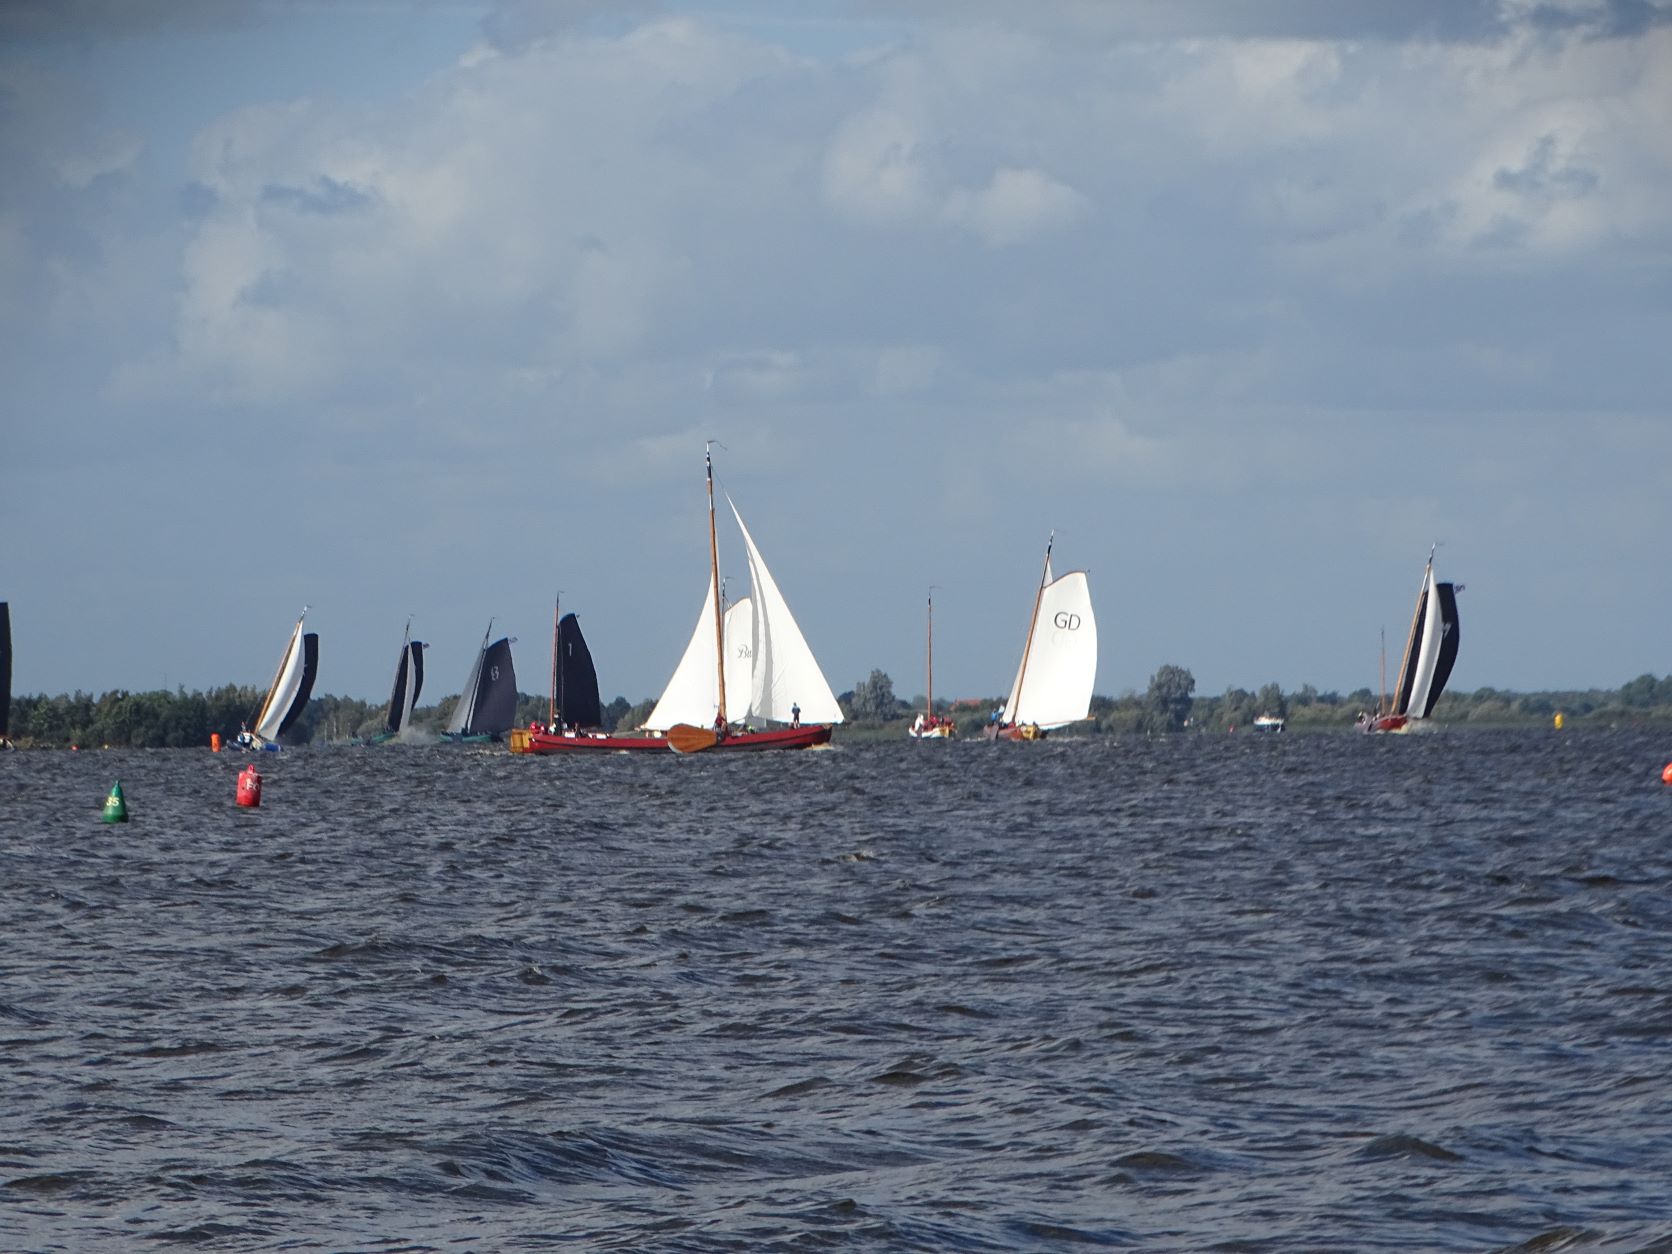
(1431, 650)
(288, 695)
(786, 674)
(409, 680)
(578, 704)
(488, 703)
(1059, 660)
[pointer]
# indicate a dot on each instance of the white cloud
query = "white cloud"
(1016, 205)
(875, 169)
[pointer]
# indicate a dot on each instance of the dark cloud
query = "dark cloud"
(1447, 21)
(326, 196)
(73, 20)
(515, 24)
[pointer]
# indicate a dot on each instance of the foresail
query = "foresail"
(786, 673)
(1412, 685)
(461, 719)
(1060, 663)
(688, 696)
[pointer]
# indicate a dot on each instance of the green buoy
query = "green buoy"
(116, 807)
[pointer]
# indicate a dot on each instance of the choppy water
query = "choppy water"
(1288, 993)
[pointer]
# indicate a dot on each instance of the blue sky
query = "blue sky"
(427, 309)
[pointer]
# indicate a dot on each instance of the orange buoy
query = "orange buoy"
(1667, 773)
(214, 742)
(249, 786)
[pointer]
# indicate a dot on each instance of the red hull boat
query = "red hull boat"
(683, 739)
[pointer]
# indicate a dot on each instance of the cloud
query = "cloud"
(876, 169)
(1016, 205)
(88, 20)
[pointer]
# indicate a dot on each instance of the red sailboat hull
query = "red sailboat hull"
(540, 742)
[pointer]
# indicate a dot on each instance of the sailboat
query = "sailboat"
(409, 681)
(488, 704)
(288, 694)
(699, 709)
(1059, 659)
(928, 725)
(1430, 653)
(576, 712)
(747, 661)
(5, 675)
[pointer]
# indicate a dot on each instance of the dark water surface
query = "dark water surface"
(1286, 993)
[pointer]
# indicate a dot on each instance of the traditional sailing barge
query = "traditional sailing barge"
(745, 663)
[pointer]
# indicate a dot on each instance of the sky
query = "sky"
(426, 309)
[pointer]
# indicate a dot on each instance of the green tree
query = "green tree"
(873, 699)
(1168, 699)
(1270, 700)
(615, 711)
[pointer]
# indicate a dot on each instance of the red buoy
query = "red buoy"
(249, 786)
(1667, 773)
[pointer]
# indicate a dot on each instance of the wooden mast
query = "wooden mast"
(1410, 637)
(1033, 621)
(714, 577)
(931, 701)
(551, 720)
(1382, 699)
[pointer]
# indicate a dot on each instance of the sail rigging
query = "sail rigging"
(748, 661)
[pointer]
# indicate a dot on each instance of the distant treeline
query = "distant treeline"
(181, 719)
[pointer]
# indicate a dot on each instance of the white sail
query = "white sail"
(689, 695)
(286, 685)
(1059, 665)
(740, 659)
(786, 673)
(466, 707)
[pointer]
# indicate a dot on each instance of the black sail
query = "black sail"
(310, 669)
(397, 697)
(496, 692)
(577, 680)
(1450, 634)
(5, 670)
(417, 670)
